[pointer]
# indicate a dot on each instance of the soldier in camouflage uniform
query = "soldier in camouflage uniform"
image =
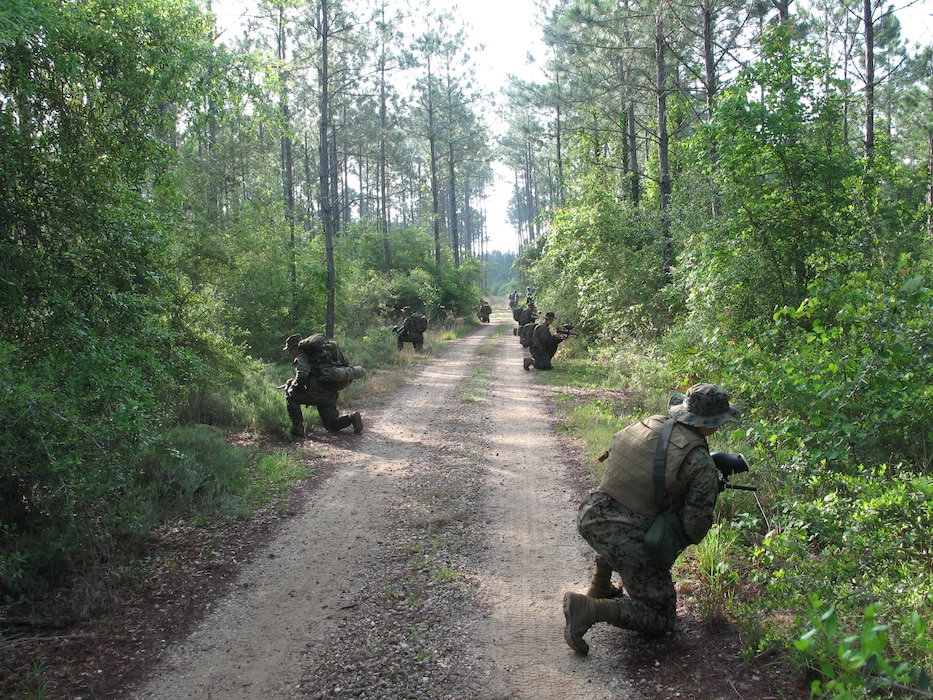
(543, 344)
(615, 517)
(304, 389)
(529, 313)
(409, 332)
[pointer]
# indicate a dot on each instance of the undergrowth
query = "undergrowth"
(858, 539)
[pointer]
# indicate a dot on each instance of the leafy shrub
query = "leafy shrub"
(75, 426)
(859, 664)
(194, 470)
(855, 539)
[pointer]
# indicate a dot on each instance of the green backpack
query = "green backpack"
(525, 333)
(326, 359)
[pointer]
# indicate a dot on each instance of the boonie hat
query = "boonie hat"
(704, 406)
(550, 315)
(292, 341)
(406, 308)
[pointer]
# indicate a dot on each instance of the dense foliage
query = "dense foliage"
(151, 255)
(791, 264)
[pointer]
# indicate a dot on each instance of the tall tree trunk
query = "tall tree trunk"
(664, 178)
(519, 210)
(869, 83)
(633, 153)
(285, 144)
(930, 165)
(336, 170)
(435, 185)
(558, 135)
(325, 166)
(712, 87)
(308, 210)
(381, 174)
(454, 228)
(530, 212)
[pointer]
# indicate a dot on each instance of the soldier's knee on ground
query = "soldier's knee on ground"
(639, 617)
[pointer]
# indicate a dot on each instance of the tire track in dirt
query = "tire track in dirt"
(535, 553)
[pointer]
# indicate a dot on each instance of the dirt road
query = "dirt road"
(430, 563)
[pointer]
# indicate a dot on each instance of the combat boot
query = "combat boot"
(527, 362)
(582, 612)
(357, 423)
(601, 585)
(298, 431)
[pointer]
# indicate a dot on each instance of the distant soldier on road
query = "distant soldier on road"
(544, 344)
(412, 329)
(529, 313)
(484, 311)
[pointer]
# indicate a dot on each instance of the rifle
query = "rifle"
(566, 329)
(341, 376)
(729, 464)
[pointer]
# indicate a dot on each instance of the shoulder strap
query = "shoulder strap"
(660, 459)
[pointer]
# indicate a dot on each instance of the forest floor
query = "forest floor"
(426, 558)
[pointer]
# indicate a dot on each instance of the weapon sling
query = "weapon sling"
(660, 459)
(665, 539)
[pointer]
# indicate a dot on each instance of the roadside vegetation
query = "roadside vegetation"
(762, 222)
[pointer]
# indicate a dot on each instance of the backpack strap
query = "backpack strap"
(660, 459)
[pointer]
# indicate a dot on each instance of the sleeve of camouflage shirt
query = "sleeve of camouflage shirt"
(700, 475)
(302, 370)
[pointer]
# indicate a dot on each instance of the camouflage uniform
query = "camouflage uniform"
(484, 311)
(543, 345)
(306, 390)
(615, 517)
(409, 332)
(617, 535)
(528, 315)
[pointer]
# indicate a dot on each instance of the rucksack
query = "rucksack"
(323, 355)
(524, 334)
(421, 322)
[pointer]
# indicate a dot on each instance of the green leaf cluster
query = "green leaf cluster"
(853, 666)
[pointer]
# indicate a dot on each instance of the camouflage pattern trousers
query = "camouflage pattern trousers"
(325, 403)
(617, 534)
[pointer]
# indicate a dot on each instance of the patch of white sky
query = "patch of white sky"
(509, 34)
(505, 40)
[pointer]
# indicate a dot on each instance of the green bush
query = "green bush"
(860, 664)
(193, 470)
(74, 428)
(855, 540)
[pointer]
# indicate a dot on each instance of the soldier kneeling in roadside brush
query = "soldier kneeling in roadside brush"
(657, 496)
(544, 344)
